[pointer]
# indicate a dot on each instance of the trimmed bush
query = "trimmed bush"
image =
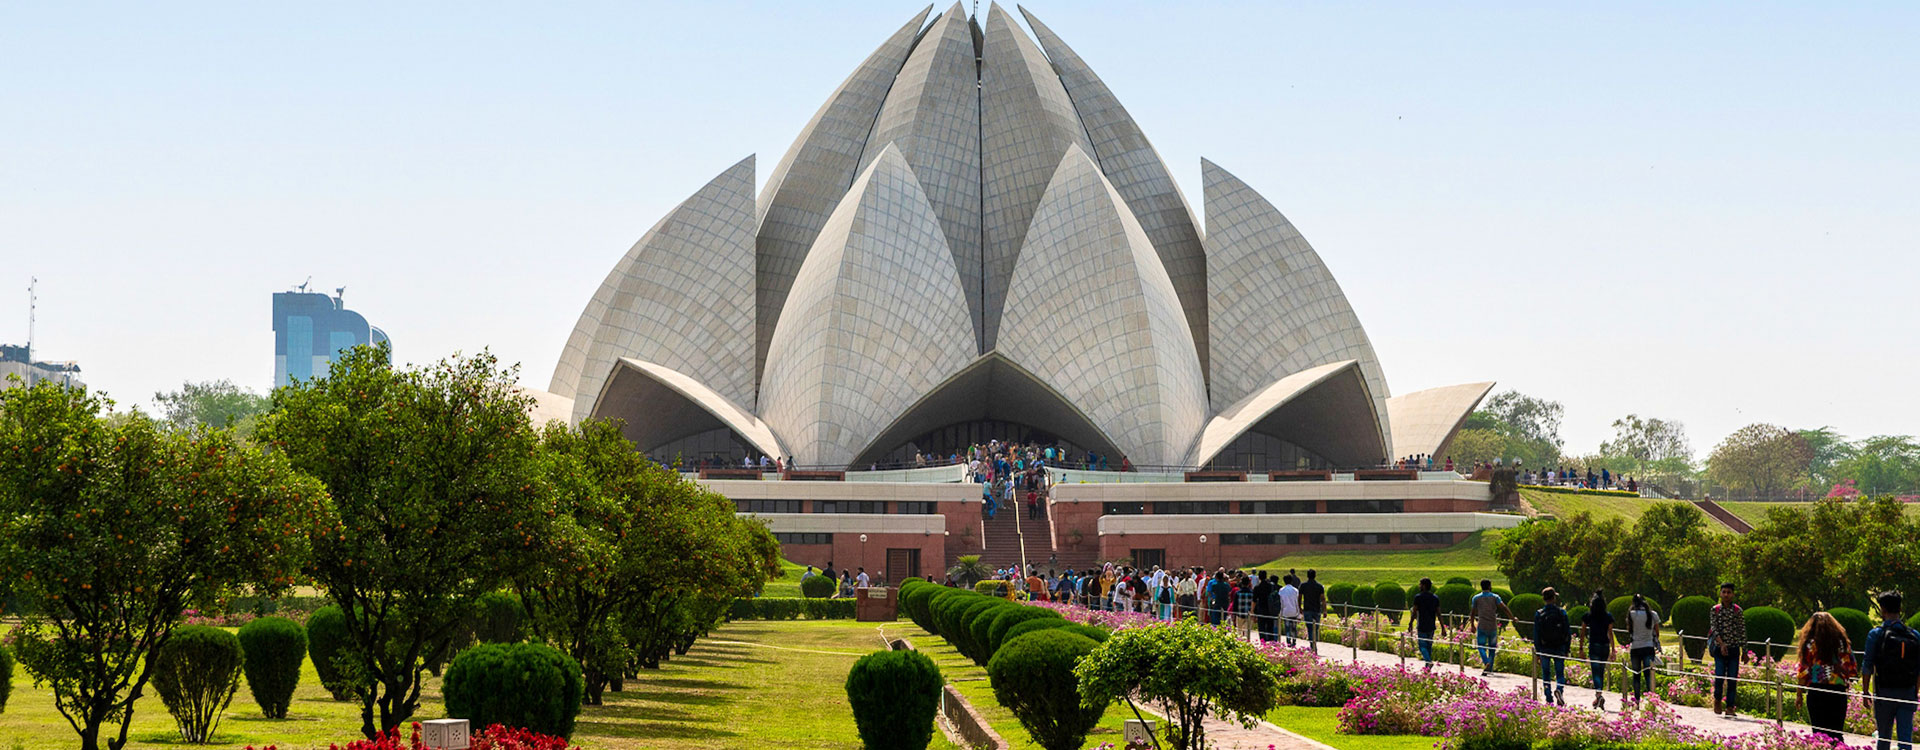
(500, 618)
(1340, 593)
(1575, 616)
(828, 609)
(1462, 580)
(1455, 598)
(275, 648)
(527, 685)
(1033, 677)
(962, 622)
(1362, 597)
(6, 676)
(1097, 633)
(980, 630)
(1028, 626)
(1390, 597)
(992, 588)
(1765, 623)
(196, 672)
(894, 696)
(916, 602)
(1506, 595)
(817, 586)
(1691, 615)
(327, 642)
(1523, 607)
(946, 609)
(1856, 623)
(1004, 622)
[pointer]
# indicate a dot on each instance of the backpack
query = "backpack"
(1274, 603)
(1166, 594)
(1551, 631)
(1898, 663)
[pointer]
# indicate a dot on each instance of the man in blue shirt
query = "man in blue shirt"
(1486, 609)
(1889, 673)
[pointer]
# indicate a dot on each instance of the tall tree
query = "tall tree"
(1642, 445)
(214, 403)
(1828, 448)
(1511, 426)
(435, 498)
(109, 530)
(1761, 460)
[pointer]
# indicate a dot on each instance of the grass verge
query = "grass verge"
(1469, 558)
(1322, 724)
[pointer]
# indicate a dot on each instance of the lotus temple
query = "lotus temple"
(973, 241)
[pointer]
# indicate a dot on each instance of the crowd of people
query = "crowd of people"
(1276, 606)
(850, 580)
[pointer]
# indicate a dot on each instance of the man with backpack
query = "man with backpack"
(1263, 609)
(1726, 638)
(1313, 604)
(1888, 673)
(1552, 636)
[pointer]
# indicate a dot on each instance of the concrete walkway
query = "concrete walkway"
(1577, 696)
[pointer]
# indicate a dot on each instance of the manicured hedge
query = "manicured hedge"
(196, 672)
(1523, 607)
(1003, 623)
(1362, 597)
(1390, 597)
(527, 685)
(275, 649)
(1455, 598)
(1028, 626)
(817, 586)
(500, 619)
(895, 695)
(1691, 615)
(789, 608)
(1578, 491)
(1856, 624)
(327, 641)
(1033, 677)
(980, 630)
(1097, 633)
(1340, 593)
(1765, 623)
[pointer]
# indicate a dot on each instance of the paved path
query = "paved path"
(1578, 696)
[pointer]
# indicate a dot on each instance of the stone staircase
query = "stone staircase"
(1724, 516)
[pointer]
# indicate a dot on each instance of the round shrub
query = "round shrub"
(499, 618)
(1033, 677)
(894, 696)
(962, 635)
(1575, 616)
(817, 586)
(1506, 595)
(1340, 593)
(6, 676)
(1097, 633)
(1523, 607)
(946, 610)
(1764, 623)
(1618, 608)
(1856, 624)
(1390, 597)
(1027, 626)
(527, 685)
(1462, 580)
(1455, 598)
(914, 601)
(275, 648)
(327, 641)
(196, 672)
(1004, 622)
(1362, 597)
(1691, 615)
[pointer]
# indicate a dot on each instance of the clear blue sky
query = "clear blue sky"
(1705, 213)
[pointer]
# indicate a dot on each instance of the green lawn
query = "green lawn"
(752, 684)
(1601, 507)
(1754, 513)
(972, 683)
(1468, 558)
(1323, 723)
(787, 586)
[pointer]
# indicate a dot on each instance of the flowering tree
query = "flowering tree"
(111, 528)
(435, 498)
(1191, 670)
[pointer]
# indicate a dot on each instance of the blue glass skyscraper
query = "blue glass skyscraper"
(311, 329)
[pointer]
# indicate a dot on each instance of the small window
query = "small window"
(767, 506)
(849, 506)
(1427, 538)
(1123, 509)
(1207, 507)
(1279, 506)
(803, 538)
(1259, 538)
(914, 507)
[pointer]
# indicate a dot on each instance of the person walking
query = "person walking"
(1643, 644)
(1186, 594)
(1597, 623)
(1289, 609)
(1487, 609)
(1888, 674)
(1826, 668)
(1313, 605)
(1726, 639)
(1552, 636)
(1219, 599)
(1263, 612)
(1426, 619)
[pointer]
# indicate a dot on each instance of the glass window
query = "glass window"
(1190, 508)
(914, 507)
(849, 506)
(1427, 538)
(767, 506)
(803, 538)
(1259, 538)
(1279, 506)
(1123, 509)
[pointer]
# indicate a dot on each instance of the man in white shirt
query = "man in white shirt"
(1289, 609)
(860, 581)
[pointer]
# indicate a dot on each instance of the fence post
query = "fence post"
(1402, 649)
(1683, 649)
(1533, 683)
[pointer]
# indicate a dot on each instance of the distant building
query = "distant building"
(18, 360)
(310, 329)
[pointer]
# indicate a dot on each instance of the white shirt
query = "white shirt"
(1640, 625)
(1289, 601)
(860, 581)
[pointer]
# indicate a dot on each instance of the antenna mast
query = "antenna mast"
(33, 301)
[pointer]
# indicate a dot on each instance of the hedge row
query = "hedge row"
(782, 608)
(978, 625)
